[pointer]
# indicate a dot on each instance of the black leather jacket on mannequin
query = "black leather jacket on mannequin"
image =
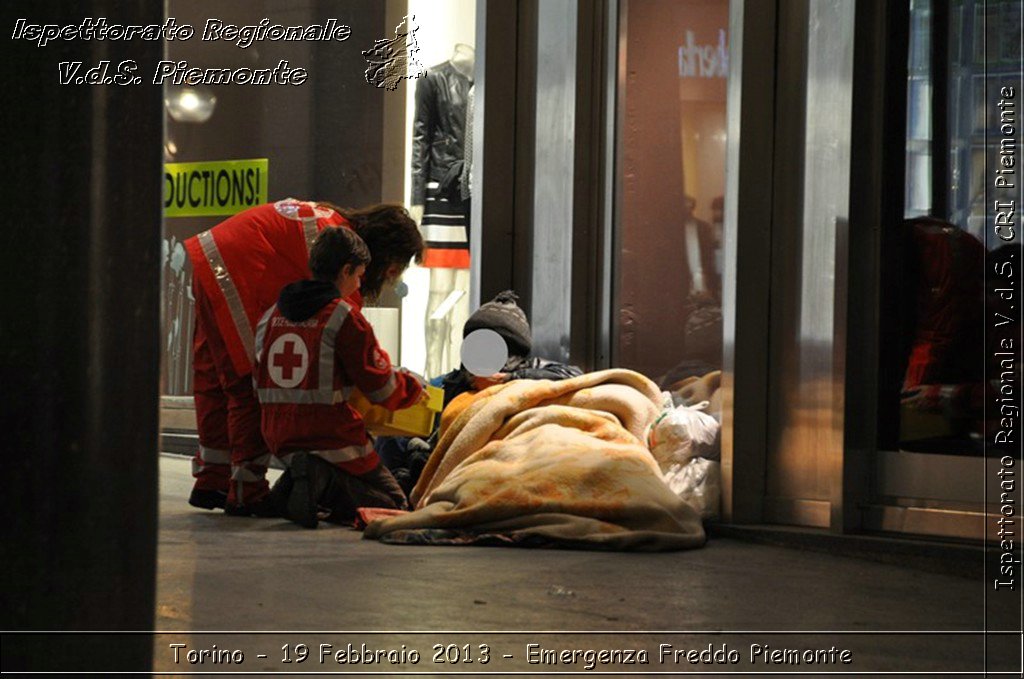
(439, 126)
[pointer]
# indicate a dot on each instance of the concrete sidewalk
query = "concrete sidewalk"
(222, 573)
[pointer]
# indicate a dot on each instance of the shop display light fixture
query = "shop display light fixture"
(190, 104)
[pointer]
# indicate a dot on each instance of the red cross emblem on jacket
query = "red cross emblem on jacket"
(304, 374)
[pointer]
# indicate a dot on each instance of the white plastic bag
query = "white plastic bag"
(699, 484)
(682, 433)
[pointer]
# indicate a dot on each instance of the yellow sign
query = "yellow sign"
(216, 188)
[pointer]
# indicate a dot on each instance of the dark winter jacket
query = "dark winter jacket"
(459, 381)
(439, 126)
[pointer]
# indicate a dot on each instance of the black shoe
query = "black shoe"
(280, 491)
(311, 476)
(208, 499)
(265, 508)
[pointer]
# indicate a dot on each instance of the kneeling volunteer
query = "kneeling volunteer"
(312, 348)
(239, 268)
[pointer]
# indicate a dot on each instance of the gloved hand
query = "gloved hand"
(417, 444)
(415, 375)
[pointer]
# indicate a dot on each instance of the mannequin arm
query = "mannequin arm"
(416, 212)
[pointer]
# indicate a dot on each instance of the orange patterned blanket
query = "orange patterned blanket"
(554, 463)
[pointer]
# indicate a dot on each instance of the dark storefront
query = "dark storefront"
(801, 213)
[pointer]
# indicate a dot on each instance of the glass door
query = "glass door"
(667, 269)
(940, 382)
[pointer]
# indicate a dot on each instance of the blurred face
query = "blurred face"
(349, 278)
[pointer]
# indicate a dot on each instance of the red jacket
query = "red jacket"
(305, 371)
(950, 302)
(243, 262)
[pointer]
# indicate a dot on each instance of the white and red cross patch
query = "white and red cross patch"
(288, 360)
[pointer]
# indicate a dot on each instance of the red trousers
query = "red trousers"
(232, 455)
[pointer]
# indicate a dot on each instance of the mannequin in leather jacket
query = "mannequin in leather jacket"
(439, 126)
(438, 148)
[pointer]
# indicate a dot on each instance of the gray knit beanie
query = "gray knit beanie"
(503, 316)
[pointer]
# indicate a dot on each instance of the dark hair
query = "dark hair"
(333, 249)
(392, 236)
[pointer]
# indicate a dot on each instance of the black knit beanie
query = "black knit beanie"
(503, 316)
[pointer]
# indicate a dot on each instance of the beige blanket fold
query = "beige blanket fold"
(555, 462)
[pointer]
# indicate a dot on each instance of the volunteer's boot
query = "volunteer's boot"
(250, 498)
(280, 491)
(208, 499)
(311, 477)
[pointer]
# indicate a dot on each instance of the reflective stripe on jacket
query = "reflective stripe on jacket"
(244, 261)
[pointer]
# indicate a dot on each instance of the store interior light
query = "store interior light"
(189, 101)
(190, 104)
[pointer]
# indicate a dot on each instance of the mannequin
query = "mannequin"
(701, 245)
(702, 335)
(463, 59)
(439, 202)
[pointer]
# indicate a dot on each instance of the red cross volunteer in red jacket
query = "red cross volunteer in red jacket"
(309, 367)
(239, 267)
(312, 348)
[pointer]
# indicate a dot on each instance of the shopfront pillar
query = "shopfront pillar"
(80, 341)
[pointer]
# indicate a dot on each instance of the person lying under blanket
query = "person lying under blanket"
(543, 463)
(405, 457)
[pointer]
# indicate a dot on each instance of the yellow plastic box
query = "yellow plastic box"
(415, 421)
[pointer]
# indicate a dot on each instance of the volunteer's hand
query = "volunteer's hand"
(416, 376)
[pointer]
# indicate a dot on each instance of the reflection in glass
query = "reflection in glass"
(945, 249)
(669, 264)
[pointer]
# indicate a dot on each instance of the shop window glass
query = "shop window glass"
(439, 110)
(944, 247)
(340, 136)
(668, 280)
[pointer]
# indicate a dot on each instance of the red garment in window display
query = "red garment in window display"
(308, 362)
(239, 267)
(947, 334)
